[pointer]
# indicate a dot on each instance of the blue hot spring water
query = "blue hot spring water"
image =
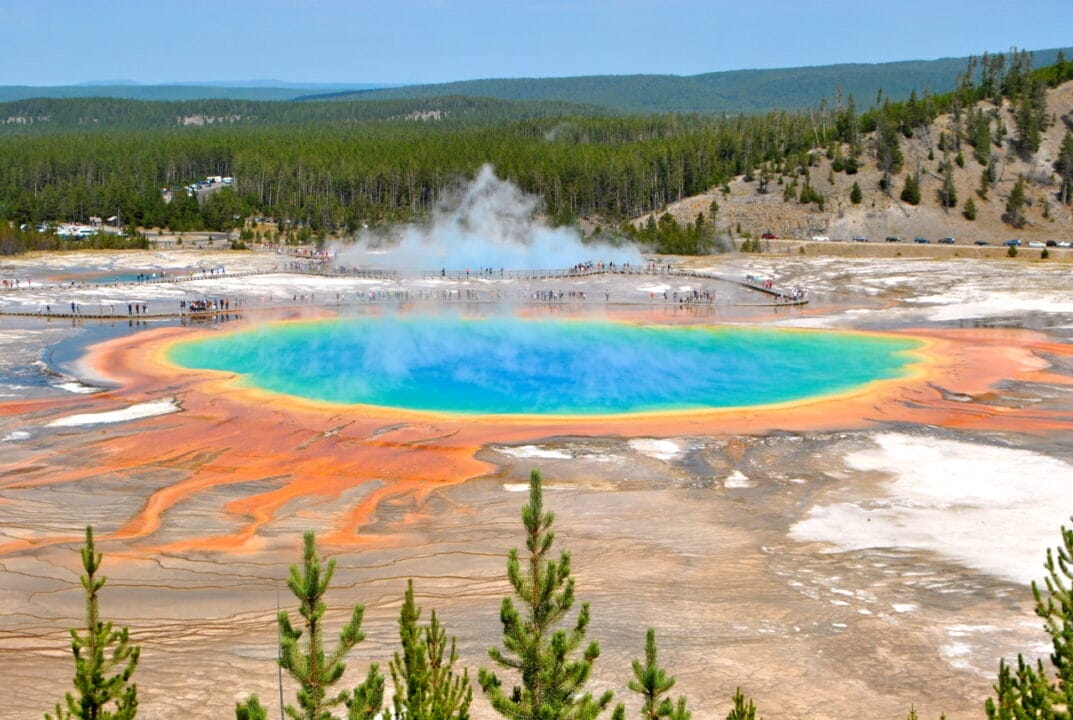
(506, 365)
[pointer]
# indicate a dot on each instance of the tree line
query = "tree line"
(345, 168)
(43, 115)
(333, 178)
(544, 658)
(15, 241)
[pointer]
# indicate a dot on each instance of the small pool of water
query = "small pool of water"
(104, 277)
(506, 365)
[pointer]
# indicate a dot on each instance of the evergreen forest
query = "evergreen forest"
(333, 167)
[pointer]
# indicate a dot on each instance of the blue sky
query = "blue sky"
(56, 42)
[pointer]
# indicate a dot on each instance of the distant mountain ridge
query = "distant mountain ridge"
(207, 90)
(730, 91)
(733, 91)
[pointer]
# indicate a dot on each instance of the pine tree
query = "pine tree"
(789, 191)
(847, 125)
(743, 709)
(969, 211)
(1059, 71)
(980, 135)
(915, 114)
(988, 78)
(889, 156)
(985, 183)
(535, 648)
(1017, 74)
(252, 709)
(1056, 608)
(652, 683)
(367, 699)
(765, 178)
(314, 670)
(1026, 691)
(99, 653)
(1064, 166)
(1031, 116)
(948, 196)
(426, 687)
(1023, 695)
(1015, 204)
(999, 136)
(911, 189)
(650, 232)
(855, 194)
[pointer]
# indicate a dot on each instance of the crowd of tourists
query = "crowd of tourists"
(15, 283)
(489, 292)
(208, 305)
(783, 294)
(557, 295)
(103, 309)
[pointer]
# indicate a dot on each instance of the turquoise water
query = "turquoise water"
(508, 365)
(107, 278)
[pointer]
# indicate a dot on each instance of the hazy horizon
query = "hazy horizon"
(371, 85)
(347, 44)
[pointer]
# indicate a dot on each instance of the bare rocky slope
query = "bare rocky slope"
(881, 214)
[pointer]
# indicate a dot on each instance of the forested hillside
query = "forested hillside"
(185, 91)
(49, 115)
(338, 177)
(374, 163)
(736, 91)
(991, 161)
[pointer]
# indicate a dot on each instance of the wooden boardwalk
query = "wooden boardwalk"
(782, 296)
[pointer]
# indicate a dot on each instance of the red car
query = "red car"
(769, 236)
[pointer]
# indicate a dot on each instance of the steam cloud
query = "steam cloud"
(490, 224)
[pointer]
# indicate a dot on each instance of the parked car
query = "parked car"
(820, 238)
(1064, 244)
(921, 241)
(769, 236)
(1052, 243)
(860, 238)
(946, 241)
(893, 238)
(981, 242)
(1036, 244)
(1012, 243)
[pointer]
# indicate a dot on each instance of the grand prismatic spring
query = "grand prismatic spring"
(835, 506)
(502, 365)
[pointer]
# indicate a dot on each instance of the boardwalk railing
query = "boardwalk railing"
(782, 296)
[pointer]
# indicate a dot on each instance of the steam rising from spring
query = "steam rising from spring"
(491, 223)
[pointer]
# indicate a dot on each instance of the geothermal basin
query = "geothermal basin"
(863, 541)
(507, 365)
